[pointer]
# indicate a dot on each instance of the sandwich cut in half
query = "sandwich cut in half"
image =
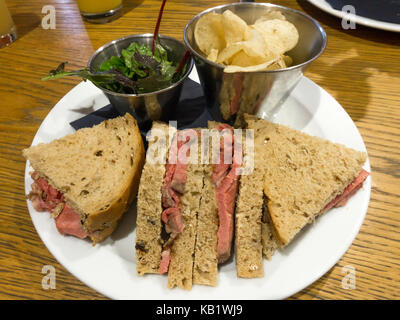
(168, 204)
(182, 228)
(297, 177)
(215, 230)
(88, 179)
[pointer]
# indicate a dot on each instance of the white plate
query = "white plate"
(325, 6)
(110, 267)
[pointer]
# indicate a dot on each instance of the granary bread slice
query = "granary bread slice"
(180, 272)
(96, 169)
(254, 236)
(168, 207)
(248, 218)
(268, 238)
(205, 267)
(149, 204)
(302, 174)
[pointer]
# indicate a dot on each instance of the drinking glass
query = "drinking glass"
(8, 31)
(100, 11)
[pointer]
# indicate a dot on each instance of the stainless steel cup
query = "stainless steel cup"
(230, 95)
(145, 107)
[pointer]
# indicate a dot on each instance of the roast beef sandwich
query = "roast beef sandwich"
(186, 207)
(88, 179)
(215, 228)
(297, 177)
(168, 204)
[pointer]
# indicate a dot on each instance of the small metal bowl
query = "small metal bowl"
(145, 107)
(229, 95)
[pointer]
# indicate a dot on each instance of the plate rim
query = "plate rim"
(350, 237)
(368, 22)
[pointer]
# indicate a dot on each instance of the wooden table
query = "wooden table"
(360, 68)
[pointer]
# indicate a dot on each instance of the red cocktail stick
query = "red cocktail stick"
(182, 63)
(158, 26)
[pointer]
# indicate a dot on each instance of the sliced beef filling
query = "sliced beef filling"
(174, 185)
(350, 190)
(68, 222)
(226, 179)
(45, 198)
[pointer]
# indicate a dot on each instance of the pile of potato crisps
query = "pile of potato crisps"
(228, 40)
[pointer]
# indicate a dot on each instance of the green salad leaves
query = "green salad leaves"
(137, 70)
(150, 72)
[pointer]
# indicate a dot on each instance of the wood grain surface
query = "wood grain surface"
(360, 68)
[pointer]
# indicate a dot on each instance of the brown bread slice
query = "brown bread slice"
(248, 242)
(268, 238)
(149, 204)
(254, 237)
(205, 268)
(97, 169)
(302, 174)
(180, 272)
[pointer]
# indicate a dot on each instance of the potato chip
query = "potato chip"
(281, 34)
(208, 33)
(288, 61)
(270, 15)
(254, 51)
(235, 29)
(241, 59)
(213, 55)
(260, 67)
(256, 46)
(225, 56)
(228, 40)
(279, 64)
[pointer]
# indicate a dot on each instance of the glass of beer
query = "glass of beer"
(8, 31)
(100, 11)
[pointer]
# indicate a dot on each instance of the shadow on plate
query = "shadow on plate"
(287, 251)
(297, 113)
(127, 224)
(122, 239)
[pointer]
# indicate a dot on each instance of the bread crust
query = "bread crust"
(99, 223)
(149, 209)
(180, 271)
(205, 267)
(302, 175)
(114, 212)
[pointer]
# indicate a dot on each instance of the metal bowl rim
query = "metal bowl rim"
(219, 66)
(135, 36)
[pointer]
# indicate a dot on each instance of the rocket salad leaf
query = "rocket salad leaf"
(137, 70)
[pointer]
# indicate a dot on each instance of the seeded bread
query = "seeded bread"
(248, 217)
(248, 245)
(268, 237)
(205, 268)
(149, 204)
(180, 271)
(302, 174)
(97, 169)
